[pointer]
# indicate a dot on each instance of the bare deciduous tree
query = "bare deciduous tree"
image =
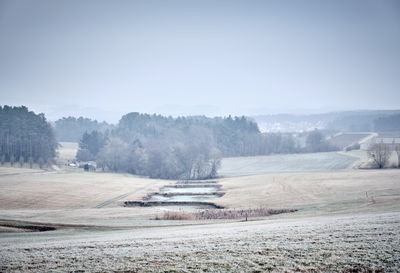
(380, 154)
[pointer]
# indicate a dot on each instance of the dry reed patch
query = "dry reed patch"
(213, 214)
(176, 215)
(239, 213)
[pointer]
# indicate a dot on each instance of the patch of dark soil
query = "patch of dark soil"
(27, 227)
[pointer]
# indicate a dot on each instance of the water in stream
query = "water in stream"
(183, 198)
(183, 195)
(189, 189)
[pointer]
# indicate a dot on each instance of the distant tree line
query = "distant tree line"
(71, 129)
(345, 121)
(388, 123)
(25, 137)
(184, 147)
(354, 123)
(379, 121)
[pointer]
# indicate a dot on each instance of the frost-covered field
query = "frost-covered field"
(316, 162)
(65, 189)
(95, 198)
(322, 192)
(348, 220)
(356, 243)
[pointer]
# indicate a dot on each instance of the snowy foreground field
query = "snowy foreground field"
(356, 243)
(347, 220)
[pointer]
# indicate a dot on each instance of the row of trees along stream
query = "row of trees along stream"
(184, 147)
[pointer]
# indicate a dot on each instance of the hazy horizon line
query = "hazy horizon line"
(113, 117)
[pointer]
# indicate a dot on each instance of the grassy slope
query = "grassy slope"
(69, 190)
(70, 195)
(289, 163)
(73, 196)
(340, 191)
(301, 241)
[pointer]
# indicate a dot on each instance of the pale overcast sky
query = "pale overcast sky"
(105, 58)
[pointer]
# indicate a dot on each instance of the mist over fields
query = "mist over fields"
(199, 136)
(199, 58)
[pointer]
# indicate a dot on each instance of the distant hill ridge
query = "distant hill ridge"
(351, 121)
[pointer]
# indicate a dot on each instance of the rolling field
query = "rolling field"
(96, 198)
(348, 220)
(285, 163)
(316, 193)
(70, 190)
(72, 196)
